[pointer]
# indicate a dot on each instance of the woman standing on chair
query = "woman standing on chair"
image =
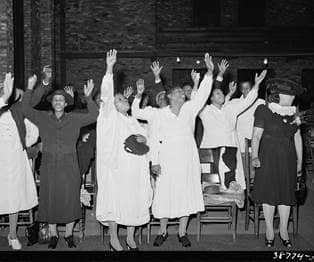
(277, 156)
(124, 191)
(17, 186)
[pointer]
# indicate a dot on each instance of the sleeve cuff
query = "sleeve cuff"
(219, 78)
(157, 81)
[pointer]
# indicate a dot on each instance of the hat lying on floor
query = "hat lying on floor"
(68, 99)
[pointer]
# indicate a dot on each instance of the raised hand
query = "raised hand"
(7, 86)
(140, 87)
(156, 68)
(31, 82)
(69, 90)
(195, 77)
(209, 63)
(88, 88)
(222, 67)
(232, 87)
(47, 71)
(128, 91)
(259, 78)
(111, 59)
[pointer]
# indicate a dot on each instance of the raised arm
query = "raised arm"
(252, 95)
(196, 79)
(91, 116)
(232, 89)
(143, 114)
(7, 89)
(201, 96)
(34, 115)
(222, 66)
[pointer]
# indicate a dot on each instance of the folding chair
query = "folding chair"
(212, 177)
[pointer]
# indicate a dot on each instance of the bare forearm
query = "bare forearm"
(298, 146)
(255, 146)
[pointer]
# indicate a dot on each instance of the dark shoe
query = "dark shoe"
(184, 240)
(53, 242)
(269, 243)
(111, 248)
(70, 241)
(131, 248)
(160, 239)
(286, 243)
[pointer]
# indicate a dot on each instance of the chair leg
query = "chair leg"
(247, 212)
(140, 232)
(230, 214)
(234, 221)
(148, 232)
(256, 219)
(295, 220)
(198, 226)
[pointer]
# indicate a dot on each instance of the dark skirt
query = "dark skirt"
(59, 194)
(275, 181)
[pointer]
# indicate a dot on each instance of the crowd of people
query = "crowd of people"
(147, 150)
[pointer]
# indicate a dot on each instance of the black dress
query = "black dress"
(276, 179)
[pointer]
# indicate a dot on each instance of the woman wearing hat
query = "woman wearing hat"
(277, 156)
(59, 173)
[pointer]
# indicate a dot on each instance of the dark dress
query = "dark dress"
(60, 179)
(276, 179)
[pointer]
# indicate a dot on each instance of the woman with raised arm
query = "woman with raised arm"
(277, 156)
(60, 179)
(124, 190)
(178, 192)
(17, 186)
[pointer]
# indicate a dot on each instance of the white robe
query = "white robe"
(17, 186)
(124, 191)
(178, 189)
(220, 131)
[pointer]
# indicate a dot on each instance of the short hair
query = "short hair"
(245, 81)
(170, 90)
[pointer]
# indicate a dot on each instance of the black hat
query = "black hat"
(284, 86)
(68, 99)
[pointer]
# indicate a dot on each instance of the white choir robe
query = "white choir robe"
(220, 131)
(178, 189)
(17, 186)
(245, 121)
(124, 191)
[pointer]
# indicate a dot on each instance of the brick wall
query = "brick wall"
(6, 38)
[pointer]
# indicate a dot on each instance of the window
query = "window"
(206, 12)
(252, 13)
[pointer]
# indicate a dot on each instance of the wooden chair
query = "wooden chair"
(253, 210)
(230, 207)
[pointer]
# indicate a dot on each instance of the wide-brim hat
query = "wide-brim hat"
(155, 93)
(284, 86)
(68, 99)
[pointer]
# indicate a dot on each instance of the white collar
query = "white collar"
(282, 110)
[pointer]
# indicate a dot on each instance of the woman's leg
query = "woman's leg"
(69, 229)
(113, 232)
(130, 237)
(53, 230)
(183, 225)
(163, 226)
(13, 225)
(284, 212)
(269, 211)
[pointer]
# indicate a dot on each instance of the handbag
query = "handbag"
(131, 145)
(301, 190)
(37, 233)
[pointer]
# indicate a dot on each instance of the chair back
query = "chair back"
(249, 178)
(207, 166)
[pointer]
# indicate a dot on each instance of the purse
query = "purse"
(301, 190)
(132, 146)
(37, 233)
